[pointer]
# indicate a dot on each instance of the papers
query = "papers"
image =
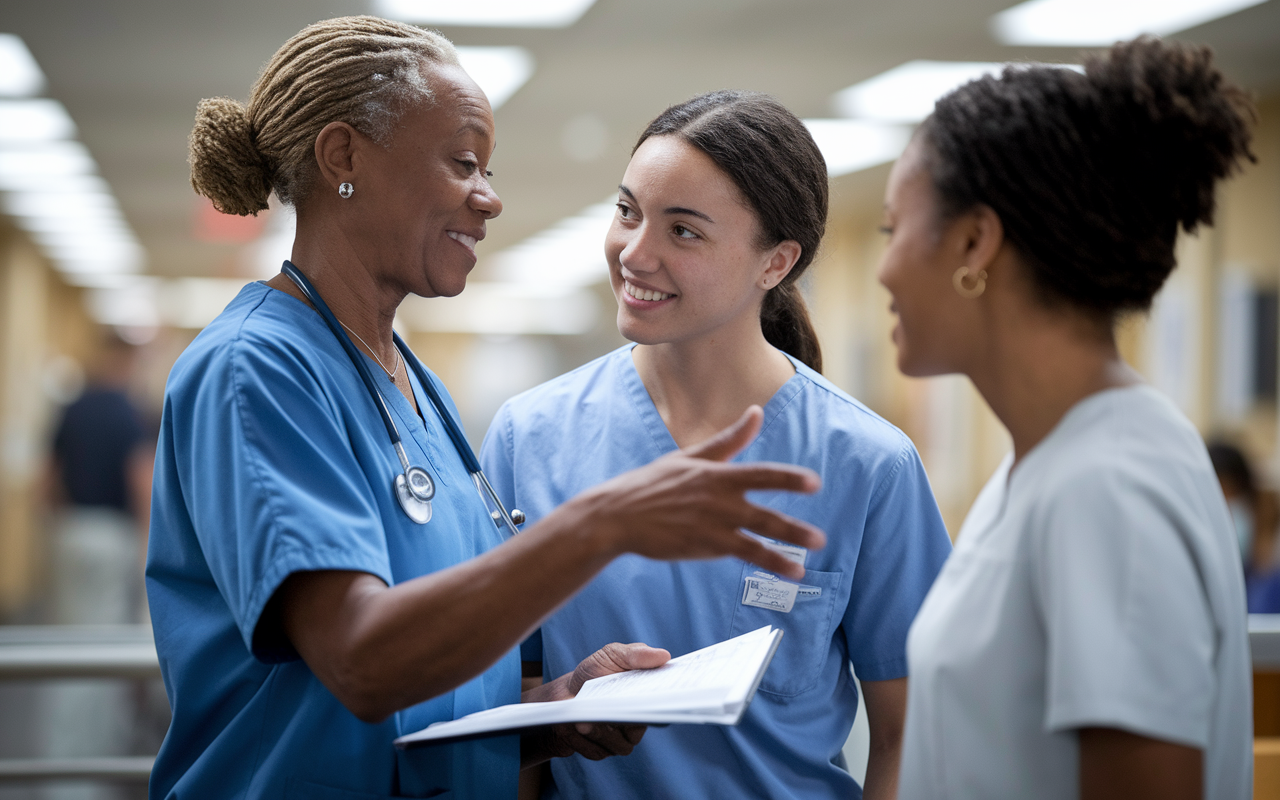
(712, 685)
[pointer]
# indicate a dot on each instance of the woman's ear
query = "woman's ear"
(982, 238)
(781, 260)
(336, 146)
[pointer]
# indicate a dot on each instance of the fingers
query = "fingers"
(599, 740)
(729, 442)
(641, 656)
(774, 525)
(763, 557)
(616, 657)
(763, 475)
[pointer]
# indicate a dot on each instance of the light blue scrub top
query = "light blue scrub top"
(272, 459)
(886, 543)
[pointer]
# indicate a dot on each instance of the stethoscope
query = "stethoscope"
(413, 487)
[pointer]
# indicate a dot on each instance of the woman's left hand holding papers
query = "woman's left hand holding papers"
(595, 741)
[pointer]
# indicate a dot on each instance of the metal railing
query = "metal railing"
(72, 651)
(128, 651)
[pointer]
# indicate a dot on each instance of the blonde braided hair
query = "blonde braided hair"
(360, 70)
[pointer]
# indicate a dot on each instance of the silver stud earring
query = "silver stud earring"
(345, 190)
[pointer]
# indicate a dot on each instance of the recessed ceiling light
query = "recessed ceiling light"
(43, 120)
(500, 71)
(489, 13)
(849, 145)
(46, 160)
(19, 74)
(907, 93)
(1102, 22)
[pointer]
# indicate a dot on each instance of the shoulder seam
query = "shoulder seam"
(906, 447)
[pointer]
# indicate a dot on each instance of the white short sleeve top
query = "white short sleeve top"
(1099, 584)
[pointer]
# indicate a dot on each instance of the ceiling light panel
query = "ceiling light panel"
(500, 71)
(1103, 22)
(850, 145)
(489, 13)
(19, 74)
(907, 93)
(55, 159)
(26, 121)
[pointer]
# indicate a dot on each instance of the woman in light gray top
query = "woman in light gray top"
(1087, 637)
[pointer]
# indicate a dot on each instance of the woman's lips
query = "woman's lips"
(643, 297)
(465, 240)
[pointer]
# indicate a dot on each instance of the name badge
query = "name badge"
(768, 591)
(791, 552)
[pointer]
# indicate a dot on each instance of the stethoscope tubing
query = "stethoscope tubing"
(451, 427)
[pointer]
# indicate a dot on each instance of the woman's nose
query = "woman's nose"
(486, 201)
(638, 254)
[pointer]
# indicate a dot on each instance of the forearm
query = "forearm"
(886, 713)
(402, 645)
(882, 772)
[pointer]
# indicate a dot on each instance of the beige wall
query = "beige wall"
(40, 318)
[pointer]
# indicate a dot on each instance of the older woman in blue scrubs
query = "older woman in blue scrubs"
(721, 210)
(303, 620)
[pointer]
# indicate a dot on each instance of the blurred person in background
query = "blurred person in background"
(1253, 511)
(720, 212)
(1087, 637)
(100, 494)
(303, 617)
(102, 455)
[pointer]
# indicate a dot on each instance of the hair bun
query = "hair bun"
(226, 166)
(1178, 114)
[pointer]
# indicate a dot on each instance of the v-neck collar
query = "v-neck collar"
(660, 436)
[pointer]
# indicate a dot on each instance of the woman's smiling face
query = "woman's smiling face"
(683, 248)
(426, 194)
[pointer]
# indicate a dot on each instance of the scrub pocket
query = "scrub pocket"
(806, 637)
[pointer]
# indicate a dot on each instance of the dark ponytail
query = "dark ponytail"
(774, 162)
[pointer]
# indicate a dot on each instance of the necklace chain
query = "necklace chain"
(399, 359)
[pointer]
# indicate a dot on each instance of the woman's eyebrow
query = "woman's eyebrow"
(672, 209)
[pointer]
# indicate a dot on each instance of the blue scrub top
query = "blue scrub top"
(886, 543)
(272, 459)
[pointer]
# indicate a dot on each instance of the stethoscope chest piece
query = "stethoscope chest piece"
(414, 490)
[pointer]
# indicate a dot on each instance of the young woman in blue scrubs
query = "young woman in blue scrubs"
(721, 210)
(302, 619)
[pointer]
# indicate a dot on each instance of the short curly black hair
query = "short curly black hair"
(1091, 174)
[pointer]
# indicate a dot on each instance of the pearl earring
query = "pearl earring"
(345, 190)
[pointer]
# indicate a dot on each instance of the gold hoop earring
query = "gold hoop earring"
(969, 292)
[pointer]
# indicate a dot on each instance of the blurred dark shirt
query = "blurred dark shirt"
(93, 443)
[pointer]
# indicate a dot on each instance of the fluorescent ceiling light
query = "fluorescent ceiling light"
(46, 160)
(505, 308)
(59, 205)
(569, 253)
(34, 182)
(1102, 22)
(907, 93)
(486, 13)
(19, 74)
(24, 121)
(849, 145)
(500, 71)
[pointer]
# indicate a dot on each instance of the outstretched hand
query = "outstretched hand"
(595, 741)
(691, 504)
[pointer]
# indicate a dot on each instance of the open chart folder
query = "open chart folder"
(712, 685)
